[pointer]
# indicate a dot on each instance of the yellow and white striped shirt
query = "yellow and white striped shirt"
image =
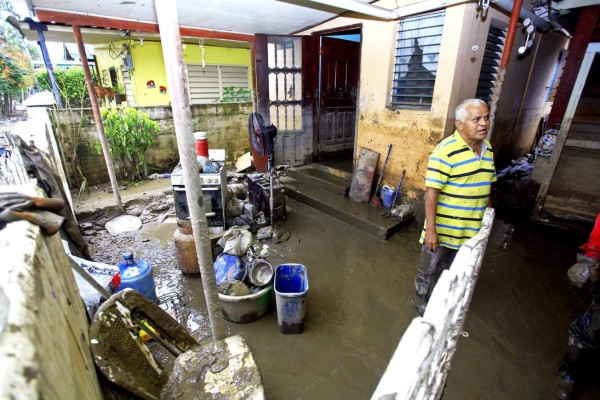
(464, 179)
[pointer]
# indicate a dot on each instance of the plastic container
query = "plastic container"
(291, 286)
(201, 144)
(244, 309)
(137, 274)
(229, 267)
(387, 195)
(185, 249)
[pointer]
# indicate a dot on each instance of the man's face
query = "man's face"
(475, 126)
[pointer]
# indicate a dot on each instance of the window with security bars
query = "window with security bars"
(415, 68)
(211, 83)
(491, 62)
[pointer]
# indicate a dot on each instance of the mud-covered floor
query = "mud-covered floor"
(359, 305)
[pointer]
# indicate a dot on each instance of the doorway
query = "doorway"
(308, 87)
(338, 60)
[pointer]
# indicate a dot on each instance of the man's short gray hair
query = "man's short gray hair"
(460, 113)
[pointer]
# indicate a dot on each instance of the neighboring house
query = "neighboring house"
(138, 68)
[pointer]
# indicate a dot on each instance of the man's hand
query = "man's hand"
(431, 239)
(431, 236)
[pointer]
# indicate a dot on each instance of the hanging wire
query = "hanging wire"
(201, 43)
(114, 51)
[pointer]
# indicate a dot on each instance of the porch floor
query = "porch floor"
(358, 307)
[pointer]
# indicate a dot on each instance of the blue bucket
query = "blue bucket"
(387, 195)
(291, 286)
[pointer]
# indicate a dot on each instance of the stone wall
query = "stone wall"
(225, 123)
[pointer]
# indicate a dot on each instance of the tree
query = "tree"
(15, 61)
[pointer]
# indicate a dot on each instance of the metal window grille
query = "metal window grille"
(491, 62)
(415, 68)
(207, 84)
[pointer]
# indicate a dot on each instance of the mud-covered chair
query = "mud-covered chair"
(224, 367)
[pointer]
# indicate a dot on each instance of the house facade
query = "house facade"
(414, 125)
(138, 68)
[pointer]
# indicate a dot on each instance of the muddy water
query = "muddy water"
(359, 305)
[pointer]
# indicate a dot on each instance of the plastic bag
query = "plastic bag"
(233, 206)
(104, 274)
(236, 241)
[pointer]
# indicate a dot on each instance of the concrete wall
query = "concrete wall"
(225, 123)
(522, 105)
(44, 341)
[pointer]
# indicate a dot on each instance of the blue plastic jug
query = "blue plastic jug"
(137, 274)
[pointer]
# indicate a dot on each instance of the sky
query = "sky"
(55, 49)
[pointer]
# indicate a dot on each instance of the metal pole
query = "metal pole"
(48, 62)
(508, 45)
(168, 24)
(97, 118)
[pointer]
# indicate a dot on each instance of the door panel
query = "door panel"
(339, 83)
(281, 95)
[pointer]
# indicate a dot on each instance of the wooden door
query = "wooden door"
(283, 80)
(338, 91)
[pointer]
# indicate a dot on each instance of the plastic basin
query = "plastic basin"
(244, 309)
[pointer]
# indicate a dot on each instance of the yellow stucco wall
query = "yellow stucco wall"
(148, 65)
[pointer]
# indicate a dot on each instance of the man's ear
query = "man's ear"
(459, 125)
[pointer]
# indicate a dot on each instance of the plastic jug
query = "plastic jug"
(137, 274)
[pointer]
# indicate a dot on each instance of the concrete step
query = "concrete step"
(359, 215)
(322, 177)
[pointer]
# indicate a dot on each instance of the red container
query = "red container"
(201, 144)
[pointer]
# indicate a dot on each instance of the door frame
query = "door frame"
(592, 50)
(316, 42)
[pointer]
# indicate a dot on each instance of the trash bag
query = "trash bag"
(236, 241)
(579, 274)
(233, 206)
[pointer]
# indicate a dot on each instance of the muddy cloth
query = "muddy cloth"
(430, 267)
(37, 210)
(584, 339)
(37, 165)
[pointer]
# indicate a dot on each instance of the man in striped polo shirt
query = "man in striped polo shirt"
(458, 183)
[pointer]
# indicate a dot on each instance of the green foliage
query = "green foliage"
(71, 85)
(230, 95)
(129, 133)
(15, 61)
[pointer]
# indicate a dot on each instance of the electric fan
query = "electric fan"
(263, 150)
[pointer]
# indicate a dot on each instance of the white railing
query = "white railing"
(420, 364)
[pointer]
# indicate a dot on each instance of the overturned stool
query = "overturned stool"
(222, 368)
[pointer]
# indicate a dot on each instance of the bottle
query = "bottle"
(137, 274)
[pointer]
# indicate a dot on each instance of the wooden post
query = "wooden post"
(97, 118)
(168, 25)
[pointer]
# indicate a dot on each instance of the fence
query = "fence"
(420, 364)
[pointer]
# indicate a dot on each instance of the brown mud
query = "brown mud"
(358, 305)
